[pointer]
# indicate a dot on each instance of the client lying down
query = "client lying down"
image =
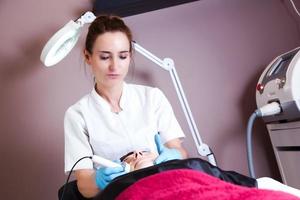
(142, 167)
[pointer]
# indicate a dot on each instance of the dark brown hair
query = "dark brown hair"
(103, 24)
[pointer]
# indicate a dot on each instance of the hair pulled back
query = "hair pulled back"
(103, 24)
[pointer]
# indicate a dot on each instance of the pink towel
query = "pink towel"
(185, 184)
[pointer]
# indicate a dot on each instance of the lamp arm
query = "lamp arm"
(202, 148)
(148, 55)
(168, 64)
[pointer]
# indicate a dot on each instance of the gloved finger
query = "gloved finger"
(159, 145)
(113, 176)
(100, 178)
(161, 158)
(103, 183)
(109, 178)
(126, 167)
(117, 161)
(112, 170)
(105, 177)
(168, 154)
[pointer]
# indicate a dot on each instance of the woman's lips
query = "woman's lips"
(113, 76)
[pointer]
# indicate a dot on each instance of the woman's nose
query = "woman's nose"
(138, 154)
(113, 64)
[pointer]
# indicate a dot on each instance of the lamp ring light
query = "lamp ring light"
(63, 41)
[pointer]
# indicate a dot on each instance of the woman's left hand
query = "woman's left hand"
(165, 153)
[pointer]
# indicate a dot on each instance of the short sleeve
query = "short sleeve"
(168, 125)
(76, 141)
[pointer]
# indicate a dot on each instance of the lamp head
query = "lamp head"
(63, 41)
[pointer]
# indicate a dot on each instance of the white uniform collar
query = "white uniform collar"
(124, 96)
(104, 104)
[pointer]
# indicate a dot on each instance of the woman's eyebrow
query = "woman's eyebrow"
(108, 52)
(124, 52)
(104, 52)
(123, 157)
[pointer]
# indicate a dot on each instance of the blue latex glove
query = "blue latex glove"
(104, 175)
(165, 153)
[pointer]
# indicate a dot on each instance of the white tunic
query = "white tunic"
(91, 128)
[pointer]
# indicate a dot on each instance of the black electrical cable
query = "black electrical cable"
(269, 109)
(249, 145)
(249, 142)
(67, 181)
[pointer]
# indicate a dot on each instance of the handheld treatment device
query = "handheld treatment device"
(108, 163)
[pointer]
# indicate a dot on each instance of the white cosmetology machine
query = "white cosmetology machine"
(62, 42)
(278, 102)
(280, 82)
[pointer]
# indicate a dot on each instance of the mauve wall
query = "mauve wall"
(219, 47)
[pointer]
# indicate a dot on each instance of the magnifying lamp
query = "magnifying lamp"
(62, 42)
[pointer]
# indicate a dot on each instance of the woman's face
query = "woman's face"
(140, 159)
(110, 59)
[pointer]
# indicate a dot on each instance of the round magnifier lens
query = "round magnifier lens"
(60, 44)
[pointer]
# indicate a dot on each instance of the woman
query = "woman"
(116, 117)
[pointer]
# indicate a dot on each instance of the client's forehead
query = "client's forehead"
(136, 154)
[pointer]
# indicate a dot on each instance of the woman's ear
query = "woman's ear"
(87, 57)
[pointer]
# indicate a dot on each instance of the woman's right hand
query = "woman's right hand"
(104, 175)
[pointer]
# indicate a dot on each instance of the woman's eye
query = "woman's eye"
(104, 57)
(123, 57)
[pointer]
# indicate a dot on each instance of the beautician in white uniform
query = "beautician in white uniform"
(116, 117)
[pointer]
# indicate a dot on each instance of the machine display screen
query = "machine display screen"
(281, 64)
